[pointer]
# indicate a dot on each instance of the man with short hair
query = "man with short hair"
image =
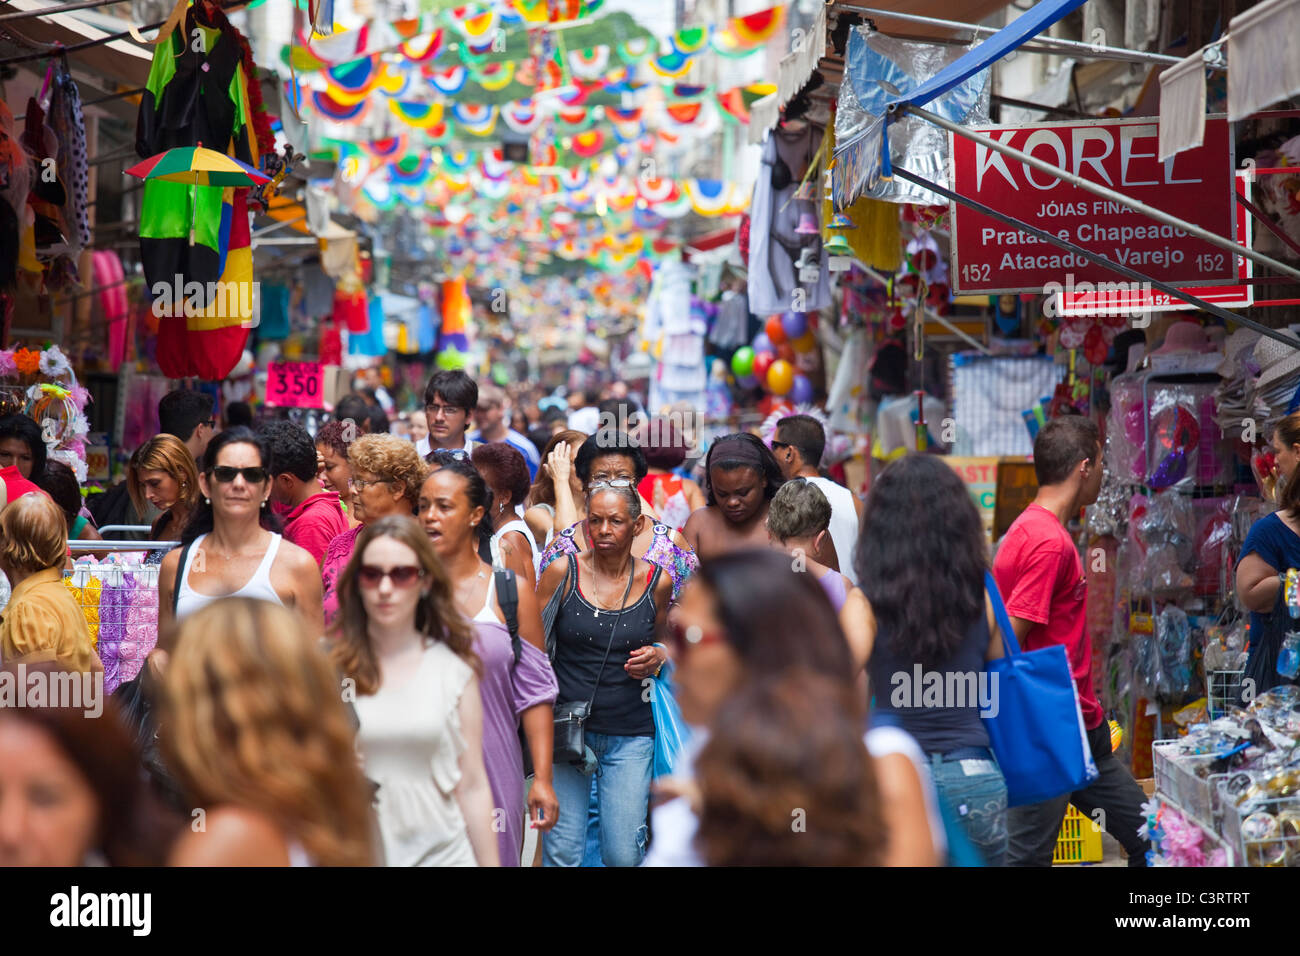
(189, 416)
(1040, 575)
(491, 417)
(449, 399)
(584, 416)
(314, 516)
(353, 408)
(798, 445)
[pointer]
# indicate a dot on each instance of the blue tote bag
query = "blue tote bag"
(671, 731)
(1037, 731)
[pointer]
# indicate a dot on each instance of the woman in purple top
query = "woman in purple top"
(798, 522)
(454, 505)
(386, 479)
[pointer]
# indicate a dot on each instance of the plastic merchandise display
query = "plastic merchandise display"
(1169, 521)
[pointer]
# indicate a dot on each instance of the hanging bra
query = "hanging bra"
(258, 586)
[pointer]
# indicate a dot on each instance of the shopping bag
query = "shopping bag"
(1036, 728)
(671, 731)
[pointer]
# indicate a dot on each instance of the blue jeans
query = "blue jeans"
(974, 792)
(622, 784)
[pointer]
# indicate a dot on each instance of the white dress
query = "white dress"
(410, 742)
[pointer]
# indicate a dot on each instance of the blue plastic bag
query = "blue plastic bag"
(671, 731)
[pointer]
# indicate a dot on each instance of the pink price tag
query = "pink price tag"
(294, 385)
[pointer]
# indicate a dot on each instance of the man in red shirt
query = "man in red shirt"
(1040, 575)
(314, 515)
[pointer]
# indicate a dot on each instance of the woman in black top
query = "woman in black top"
(921, 559)
(613, 601)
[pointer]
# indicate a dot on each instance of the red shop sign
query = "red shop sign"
(1196, 185)
(294, 385)
(1092, 300)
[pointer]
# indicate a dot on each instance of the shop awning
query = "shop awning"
(123, 60)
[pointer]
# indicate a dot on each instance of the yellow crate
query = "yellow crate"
(1079, 840)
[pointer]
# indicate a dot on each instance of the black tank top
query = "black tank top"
(939, 706)
(582, 633)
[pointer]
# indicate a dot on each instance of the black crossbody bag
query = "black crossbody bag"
(571, 716)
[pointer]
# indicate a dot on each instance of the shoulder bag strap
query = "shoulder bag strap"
(1009, 644)
(180, 576)
(552, 609)
(621, 608)
(508, 597)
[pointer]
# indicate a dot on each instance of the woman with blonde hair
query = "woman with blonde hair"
(254, 728)
(386, 475)
(162, 473)
(41, 622)
(408, 652)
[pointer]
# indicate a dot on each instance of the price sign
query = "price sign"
(294, 385)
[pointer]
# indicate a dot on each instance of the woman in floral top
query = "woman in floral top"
(613, 461)
(386, 477)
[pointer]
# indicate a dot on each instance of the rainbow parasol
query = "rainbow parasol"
(197, 166)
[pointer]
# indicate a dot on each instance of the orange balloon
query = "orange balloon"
(780, 377)
(775, 331)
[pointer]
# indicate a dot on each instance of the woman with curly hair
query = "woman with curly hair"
(254, 728)
(386, 474)
(742, 477)
(409, 653)
(786, 779)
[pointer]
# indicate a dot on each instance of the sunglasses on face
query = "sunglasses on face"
(226, 474)
(781, 444)
(362, 485)
(402, 576)
(692, 636)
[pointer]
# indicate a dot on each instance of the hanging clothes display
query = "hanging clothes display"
(200, 92)
(119, 599)
(69, 126)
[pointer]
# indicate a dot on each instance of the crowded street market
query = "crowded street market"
(910, 390)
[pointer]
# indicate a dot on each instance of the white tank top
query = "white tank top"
(258, 586)
(520, 526)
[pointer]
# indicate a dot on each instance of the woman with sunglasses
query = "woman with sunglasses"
(742, 476)
(231, 545)
(454, 502)
(615, 461)
(386, 474)
(728, 635)
(409, 652)
(606, 607)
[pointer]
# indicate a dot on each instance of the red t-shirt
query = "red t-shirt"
(1041, 579)
(315, 522)
(16, 485)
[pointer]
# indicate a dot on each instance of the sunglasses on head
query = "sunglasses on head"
(443, 455)
(226, 474)
(612, 483)
(402, 576)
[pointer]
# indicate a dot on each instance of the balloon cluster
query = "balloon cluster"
(785, 344)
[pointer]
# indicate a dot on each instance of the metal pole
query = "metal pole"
(57, 8)
(1077, 46)
(1095, 257)
(1096, 190)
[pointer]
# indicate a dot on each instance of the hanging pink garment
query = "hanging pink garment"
(110, 280)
